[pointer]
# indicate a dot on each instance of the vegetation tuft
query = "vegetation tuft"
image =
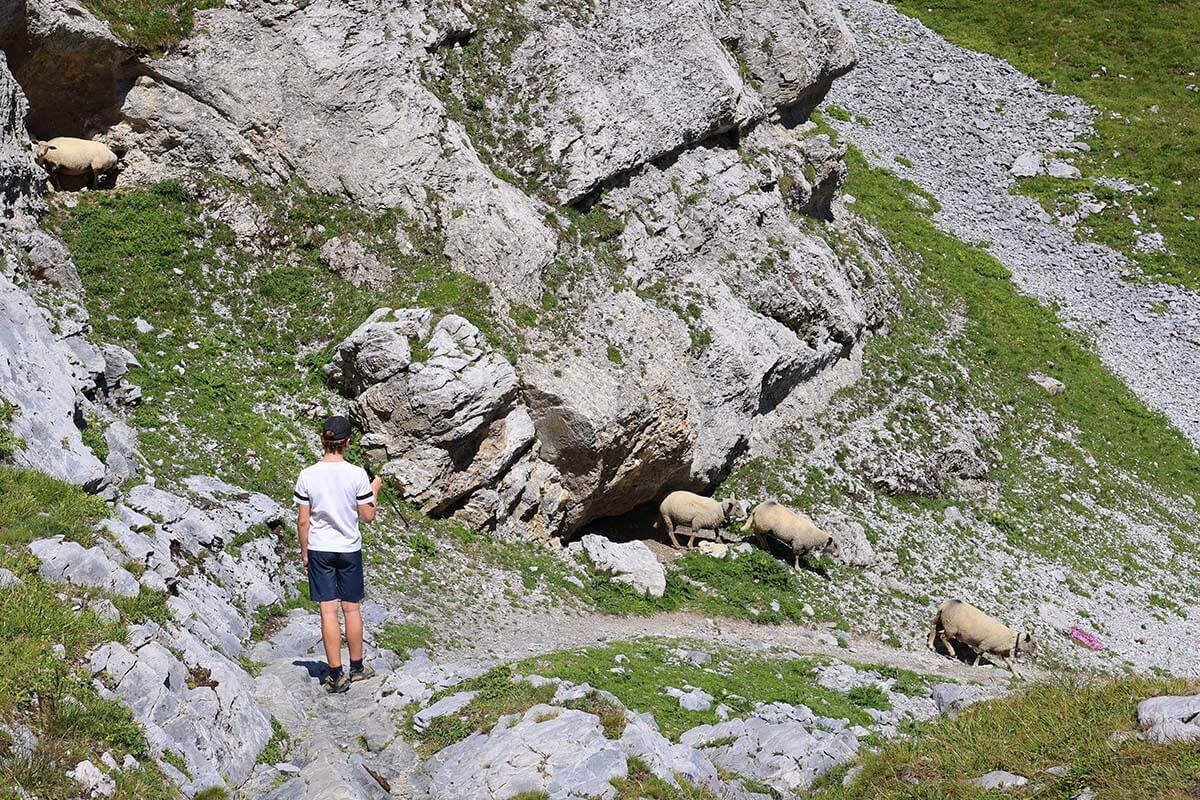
(150, 25)
(46, 632)
(1045, 726)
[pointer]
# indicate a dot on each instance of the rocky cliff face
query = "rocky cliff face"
(634, 184)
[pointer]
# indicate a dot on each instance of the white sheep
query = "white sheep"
(791, 528)
(695, 512)
(65, 155)
(983, 634)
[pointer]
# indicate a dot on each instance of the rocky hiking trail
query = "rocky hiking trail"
(354, 745)
(962, 125)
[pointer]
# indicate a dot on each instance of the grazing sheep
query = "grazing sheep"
(983, 634)
(696, 512)
(791, 528)
(65, 155)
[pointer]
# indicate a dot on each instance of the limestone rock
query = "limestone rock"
(953, 697)
(378, 349)
(850, 534)
(558, 751)
(43, 377)
(1026, 165)
(19, 173)
(999, 779)
(94, 781)
(793, 50)
(628, 562)
(1170, 718)
(70, 562)
(353, 262)
(781, 751)
(1062, 169)
(1169, 707)
(447, 705)
(423, 418)
(692, 700)
(666, 760)
(1052, 386)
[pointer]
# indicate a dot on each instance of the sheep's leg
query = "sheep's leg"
(978, 656)
(671, 530)
(1008, 661)
(933, 630)
(691, 538)
(949, 647)
(795, 562)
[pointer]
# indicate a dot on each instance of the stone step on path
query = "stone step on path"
(341, 746)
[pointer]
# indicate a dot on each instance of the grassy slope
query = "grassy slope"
(239, 336)
(647, 667)
(36, 685)
(150, 25)
(1124, 58)
(1045, 726)
(1071, 474)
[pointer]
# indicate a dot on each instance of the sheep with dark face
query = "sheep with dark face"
(66, 155)
(694, 512)
(982, 633)
(770, 519)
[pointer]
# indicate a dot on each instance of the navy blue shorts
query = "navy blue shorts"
(335, 576)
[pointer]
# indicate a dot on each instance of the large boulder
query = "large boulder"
(630, 563)
(70, 562)
(560, 752)
(786, 751)
(1170, 718)
(43, 373)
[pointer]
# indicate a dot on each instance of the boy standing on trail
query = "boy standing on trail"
(333, 496)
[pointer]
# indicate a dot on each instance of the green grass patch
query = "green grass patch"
(93, 437)
(642, 784)
(35, 506)
(150, 25)
(9, 444)
(276, 747)
(732, 678)
(1135, 59)
(51, 695)
(1097, 441)
(1042, 727)
(403, 638)
(498, 695)
(235, 331)
(267, 619)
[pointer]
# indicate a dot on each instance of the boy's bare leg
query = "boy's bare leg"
(354, 630)
(331, 632)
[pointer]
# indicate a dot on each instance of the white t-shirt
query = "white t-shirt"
(333, 490)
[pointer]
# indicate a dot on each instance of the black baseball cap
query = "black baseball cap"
(336, 429)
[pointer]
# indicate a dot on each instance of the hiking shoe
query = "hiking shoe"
(336, 685)
(362, 674)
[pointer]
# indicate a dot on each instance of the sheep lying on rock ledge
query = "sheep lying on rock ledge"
(694, 512)
(983, 634)
(65, 155)
(770, 519)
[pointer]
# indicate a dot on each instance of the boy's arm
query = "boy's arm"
(368, 501)
(302, 522)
